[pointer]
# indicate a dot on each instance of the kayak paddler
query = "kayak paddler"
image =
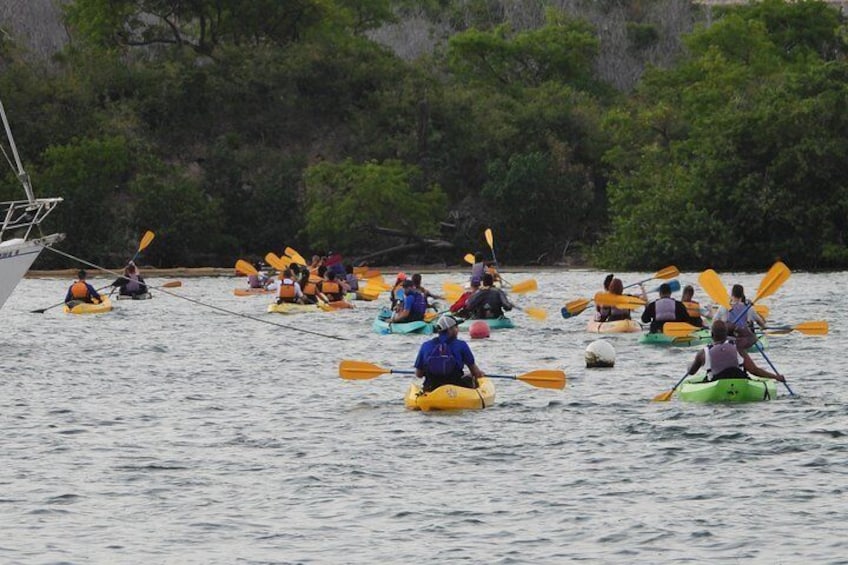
(723, 360)
(81, 291)
(441, 360)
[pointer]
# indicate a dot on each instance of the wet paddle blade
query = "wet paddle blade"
(679, 329)
(773, 280)
(544, 378)
(668, 273)
(621, 301)
(536, 313)
(664, 397)
(762, 310)
(360, 370)
(490, 239)
(146, 239)
(524, 286)
(577, 305)
(469, 258)
(295, 256)
(715, 289)
(243, 266)
(274, 261)
(452, 288)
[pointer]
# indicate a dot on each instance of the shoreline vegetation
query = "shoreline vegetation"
(628, 134)
(196, 272)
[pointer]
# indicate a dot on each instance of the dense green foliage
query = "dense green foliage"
(737, 156)
(234, 127)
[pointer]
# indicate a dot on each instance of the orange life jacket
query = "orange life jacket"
(310, 289)
(287, 292)
(693, 309)
(331, 287)
(79, 290)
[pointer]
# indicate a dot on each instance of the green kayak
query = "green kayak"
(700, 337)
(501, 323)
(694, 389)
(381, 325)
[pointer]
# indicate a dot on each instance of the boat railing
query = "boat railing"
(24, 215)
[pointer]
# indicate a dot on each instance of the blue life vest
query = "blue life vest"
(441, 362)
(419, 306)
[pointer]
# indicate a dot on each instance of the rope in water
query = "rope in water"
(195, 301)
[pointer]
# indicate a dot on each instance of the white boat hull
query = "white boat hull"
(16, 257)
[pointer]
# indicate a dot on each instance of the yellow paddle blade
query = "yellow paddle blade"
(372, 274)
(809, 328)
(452, 288)
(295, 256)
(469, 258)
(430, 316)
(525, 286)
(536, 313)
(762, 310)
(813, 328)
(172, 284)
(360, 370)
(359, 271)
(679, 329)
(577, 305)
(274, 261)
(622, 301)
(145, 240)
(490, 239)
(712, 285)
(243, 266)
(664, 396)
(774, 278)
(544, 378)
(668, 273)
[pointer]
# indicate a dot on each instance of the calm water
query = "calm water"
(167, 433)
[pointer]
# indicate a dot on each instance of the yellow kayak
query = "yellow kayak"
(86, 308)
(616, 327)
(451, 397)
(292, 308)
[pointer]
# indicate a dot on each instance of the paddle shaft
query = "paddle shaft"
(412, 372)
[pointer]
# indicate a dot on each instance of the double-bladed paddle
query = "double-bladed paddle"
(362, 370)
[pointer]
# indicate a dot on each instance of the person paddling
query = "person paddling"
(740, 324)
(429, 297)
(441, 360)
(458, 308)
(331, 288)
(693, 308)
(131, 283)
(612, 313)
(664, 309)
(289, 289)
(723, 360)
(490, 302)
(598, 308)
(81, 291)
(414, 305)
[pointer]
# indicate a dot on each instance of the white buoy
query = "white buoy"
(600, 353)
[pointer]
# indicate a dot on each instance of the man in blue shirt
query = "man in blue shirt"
(414, 304)
(441, 360)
